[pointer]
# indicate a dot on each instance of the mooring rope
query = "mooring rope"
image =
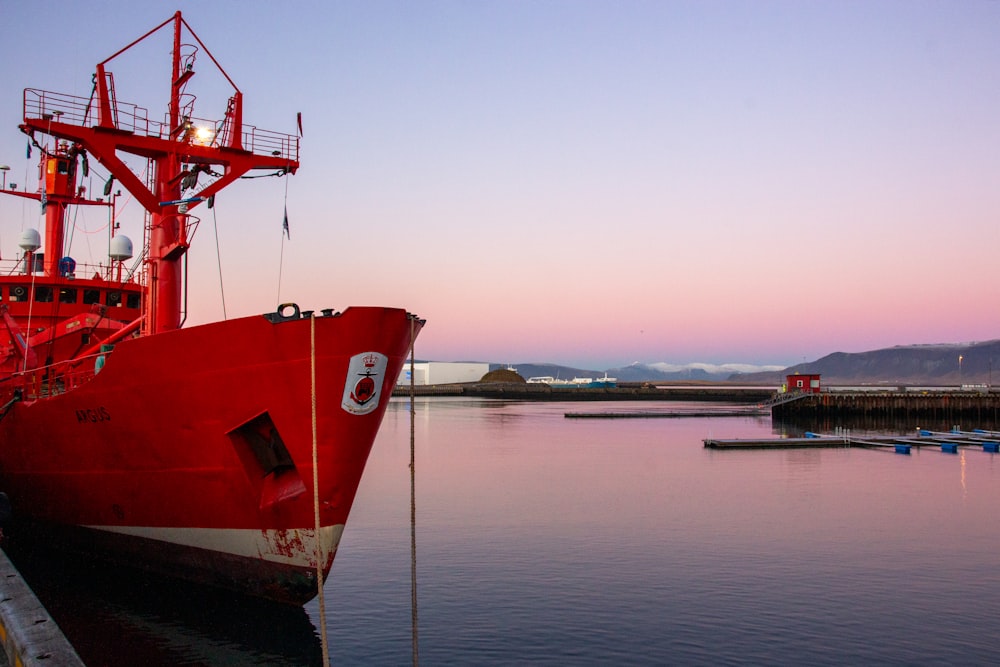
(284, 233)
(30, 296)
(218, 259)
(413, 502)
(315, 463)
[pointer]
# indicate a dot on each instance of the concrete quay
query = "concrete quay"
(29, 635)
(951, 407)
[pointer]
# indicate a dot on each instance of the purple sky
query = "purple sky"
(587, 183)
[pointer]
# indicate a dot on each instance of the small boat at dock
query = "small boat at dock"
(576, 383)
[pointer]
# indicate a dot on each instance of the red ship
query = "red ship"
(226, 453)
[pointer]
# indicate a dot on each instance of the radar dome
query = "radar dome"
(121, 248)
(30, 240)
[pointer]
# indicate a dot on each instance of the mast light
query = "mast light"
(204, 135)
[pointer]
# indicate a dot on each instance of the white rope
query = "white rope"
(218, 259)
(413, 503)
(281, 257)
(315, 464)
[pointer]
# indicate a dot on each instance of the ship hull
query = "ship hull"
(191, 452)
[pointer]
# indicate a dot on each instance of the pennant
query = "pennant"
(27, 153)
(298, 120)
(284, 225)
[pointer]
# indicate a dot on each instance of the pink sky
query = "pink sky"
(591, 183)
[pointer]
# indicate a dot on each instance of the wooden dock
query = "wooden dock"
(951, 441)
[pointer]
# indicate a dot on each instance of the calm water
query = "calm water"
(548, 540)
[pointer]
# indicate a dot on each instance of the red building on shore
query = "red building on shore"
(808, 383)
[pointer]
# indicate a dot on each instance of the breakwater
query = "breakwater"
(879, 407)
(950, 407)
(636, 391)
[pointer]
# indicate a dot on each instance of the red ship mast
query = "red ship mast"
(58, 191)
(177, 157)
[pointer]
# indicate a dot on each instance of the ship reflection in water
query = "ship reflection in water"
(116, 616)
(546, 540)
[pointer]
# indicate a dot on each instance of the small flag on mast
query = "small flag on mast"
(298, 119)
(284, 225)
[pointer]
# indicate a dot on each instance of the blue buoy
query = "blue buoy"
(810, 434)
(902, 449)
(991, 447)
(950, 447)
(925, 434)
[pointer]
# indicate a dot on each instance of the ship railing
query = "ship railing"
(255, 140)
(83, 271)
(57, 378)
(786, 397)
(45, 105)
(266, 142)
(128, 117)
(82, 111)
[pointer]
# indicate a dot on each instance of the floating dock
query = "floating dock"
(950, 441)
(29, 636)
(669, 414)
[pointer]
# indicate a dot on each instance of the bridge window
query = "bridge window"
(18, 293)
(114, 298)
(43, 294)
(91, 296)
(132, 300)
(67, 295)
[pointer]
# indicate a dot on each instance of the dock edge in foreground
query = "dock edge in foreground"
(29, 635)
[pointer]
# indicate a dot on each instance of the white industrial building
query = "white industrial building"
(442, 372)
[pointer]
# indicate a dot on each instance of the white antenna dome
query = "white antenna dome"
(121, 248)
(30, 240)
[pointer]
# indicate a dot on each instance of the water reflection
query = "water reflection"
(797, 426)
(547, 540)
(117, 616)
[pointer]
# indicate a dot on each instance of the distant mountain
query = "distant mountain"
(939, 364)
(552, 370)
(699, 371)
(936, 364)
(637, 372)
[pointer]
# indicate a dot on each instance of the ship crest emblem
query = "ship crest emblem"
(365, 376)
